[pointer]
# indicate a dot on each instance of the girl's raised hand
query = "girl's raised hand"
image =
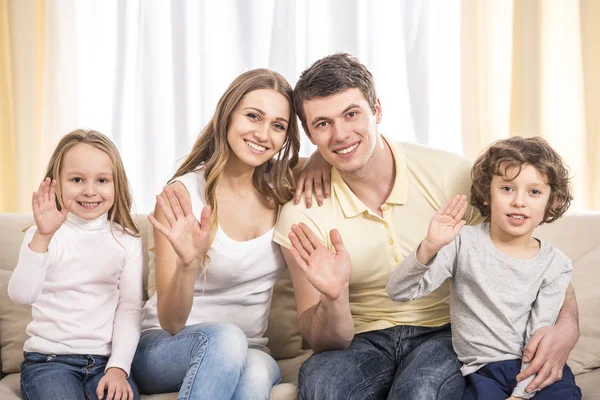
(189, 238)
(43, 202)
(447, 222)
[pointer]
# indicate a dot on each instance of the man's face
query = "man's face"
(344, 128)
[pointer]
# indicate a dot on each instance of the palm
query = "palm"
(189, 238)
(45, 213)
(329, 272)
(446, 224)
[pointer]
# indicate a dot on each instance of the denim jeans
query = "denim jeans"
(203, 361)
(73, 377)
(403, 362)
(496, 381)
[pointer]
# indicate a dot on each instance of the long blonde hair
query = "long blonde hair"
(273, 179)
(120, 210)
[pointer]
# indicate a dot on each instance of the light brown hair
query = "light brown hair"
(330, 75)
(121, 208)
(273, 179)
(505, 154)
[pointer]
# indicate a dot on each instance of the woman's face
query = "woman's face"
(258, 126)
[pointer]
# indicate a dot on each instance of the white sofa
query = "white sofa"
(578, 235)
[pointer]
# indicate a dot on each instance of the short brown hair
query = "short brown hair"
(516, 152)
(330, 75)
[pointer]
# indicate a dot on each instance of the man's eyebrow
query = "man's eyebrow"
(350, 107)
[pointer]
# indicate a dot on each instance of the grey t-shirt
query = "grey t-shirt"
(496, 303)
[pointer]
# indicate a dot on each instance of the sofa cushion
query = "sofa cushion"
(14, 319)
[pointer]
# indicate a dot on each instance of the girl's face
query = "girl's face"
(258, 126)
(86, 178)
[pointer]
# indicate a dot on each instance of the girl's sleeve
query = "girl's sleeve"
(412, 280)
(27, 280)
(127, 323)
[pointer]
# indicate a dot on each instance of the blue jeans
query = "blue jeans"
(496, 381)
(73, 377)
(403, 362)
(203, 361)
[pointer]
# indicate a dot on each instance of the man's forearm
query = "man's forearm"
(568, 317)
(328, 325)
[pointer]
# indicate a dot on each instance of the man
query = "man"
(383, 195)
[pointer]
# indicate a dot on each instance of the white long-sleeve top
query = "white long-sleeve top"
(85, 291)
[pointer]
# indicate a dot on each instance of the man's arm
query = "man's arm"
(550, 346)
(325, 324)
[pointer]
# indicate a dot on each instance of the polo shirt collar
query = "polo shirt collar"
(352, 205)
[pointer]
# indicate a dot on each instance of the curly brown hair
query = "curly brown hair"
(516, 152)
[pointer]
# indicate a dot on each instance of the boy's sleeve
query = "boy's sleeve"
(294, 214)
(27, 280)
(412, 280)
(127, 323)
(544, 313)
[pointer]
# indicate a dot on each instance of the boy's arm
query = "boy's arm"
(422, 271)
(543, 314)
(127, 322)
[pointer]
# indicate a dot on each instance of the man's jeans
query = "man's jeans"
(204, 361)
(72, 377)
(403, 362)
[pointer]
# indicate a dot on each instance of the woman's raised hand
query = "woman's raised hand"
(189, 238)
(45, 212)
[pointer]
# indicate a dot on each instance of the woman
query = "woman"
(202, 332)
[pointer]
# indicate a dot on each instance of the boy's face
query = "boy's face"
(518, 205)
(344, 128)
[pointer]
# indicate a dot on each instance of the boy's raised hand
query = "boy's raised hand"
(447, 222)
(189, 238)
(43, 202)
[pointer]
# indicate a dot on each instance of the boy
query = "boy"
(505, 283)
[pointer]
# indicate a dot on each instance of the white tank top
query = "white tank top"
(239, 278)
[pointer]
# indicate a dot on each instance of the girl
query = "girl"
(80, 267)
(202, 332)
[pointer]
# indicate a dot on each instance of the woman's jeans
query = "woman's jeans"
(73, 377)
(203, 361)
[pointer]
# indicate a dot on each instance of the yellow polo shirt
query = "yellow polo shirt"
(425, 179)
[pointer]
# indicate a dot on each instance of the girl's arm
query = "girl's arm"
(25, 285)
(181, 242)
(126, 328)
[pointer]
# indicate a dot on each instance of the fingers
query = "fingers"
(451, 211)
(160, 227)
(184, 202)
(459, 207)
(541, 376)
(318, 191)
(297, 257)
(165, 209)
(173, 202)
(308, 187)
(110, 395)
(555, 375)
(532, 346)
(336, 240)
(52, 196)
(66, 207)
(459, 226)
(305, 243)
(130, 391)
(46, 189)
(444, 207)
(327, 185)
(302, 255)
(312, 238)
(299, 187)
(35, 203)
(101, 387)
(205, 218)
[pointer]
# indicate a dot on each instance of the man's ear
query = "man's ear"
(378, 111)
(308, 133)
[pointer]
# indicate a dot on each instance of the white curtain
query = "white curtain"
(148, 73)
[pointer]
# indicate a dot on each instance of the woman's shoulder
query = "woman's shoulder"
(194, 182)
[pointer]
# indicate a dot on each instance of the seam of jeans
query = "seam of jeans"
(201, 358)
(172, 338)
